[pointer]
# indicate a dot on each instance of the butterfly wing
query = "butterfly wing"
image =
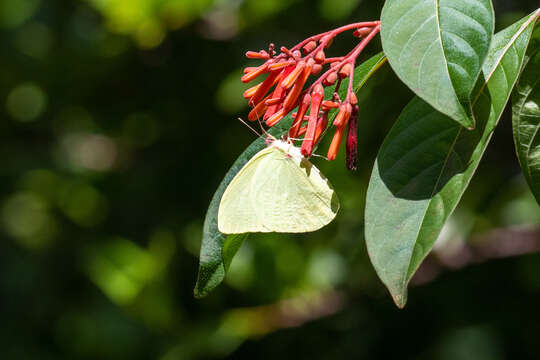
(275, 192)
(236, 214)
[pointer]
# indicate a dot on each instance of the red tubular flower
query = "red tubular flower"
(272, 101)
(336, 142)
(343, 115)
(263, 89)
(327, 105)
(322, 124)
(279, 92)
(249, 69)
(258, 110)
(352, 140)
(255, 73)
(293, 76)
(299, 118)
(290, 101)
(281, 65)
(316, 100)
(274, 119)
(284, 89)
(248, 94)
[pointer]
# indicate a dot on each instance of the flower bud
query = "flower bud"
(320, 57)
(352, 140)
(330, 79)
(257, 55)
(361, 32)
(354, 99)
(327, 105)
(316, 69)
(336, 142)
(310, 46)
(345, 71)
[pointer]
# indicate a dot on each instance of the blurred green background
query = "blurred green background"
(118, 123)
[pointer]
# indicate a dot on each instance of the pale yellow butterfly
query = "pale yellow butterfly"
(277, 190)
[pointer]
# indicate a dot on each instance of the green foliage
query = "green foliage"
(426, 163)
(526, 119)
(437, 48)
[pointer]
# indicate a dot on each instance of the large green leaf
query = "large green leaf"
(437, 48)
(426, 163)
(526, 119)
(217, 249)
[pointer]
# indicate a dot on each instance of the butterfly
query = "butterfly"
(277, 190)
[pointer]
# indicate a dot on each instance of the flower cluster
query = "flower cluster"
(286, 88)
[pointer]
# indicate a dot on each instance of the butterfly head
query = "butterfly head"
(287, 146)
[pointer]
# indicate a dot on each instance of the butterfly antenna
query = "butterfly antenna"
(251, 128)
(262, 128)
(296, 139)
(320, 156)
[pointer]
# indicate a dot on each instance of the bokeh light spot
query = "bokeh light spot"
(229, 95)
(90, 151)
(326, 268)
(15, 12)
(26, 102)
(83, 204)
(221, 24)
(120, 269)
(34, 40)
(150, 34)
(26, 217)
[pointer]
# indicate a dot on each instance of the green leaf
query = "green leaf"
(437, 48)
(526, 116)
(217, 249)
(213, 259)
(426, 163)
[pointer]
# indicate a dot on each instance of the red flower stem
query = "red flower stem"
(332, 60)
(350, 57)
(336, 32)
(336, 90)
(351, 80)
